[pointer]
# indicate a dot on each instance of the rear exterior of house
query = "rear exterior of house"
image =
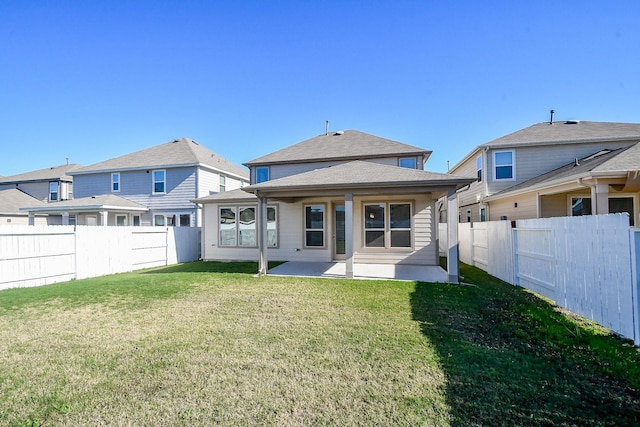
(521, 158)
(339, 196)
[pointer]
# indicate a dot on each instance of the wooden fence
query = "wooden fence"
(40, 255)
(586, 264)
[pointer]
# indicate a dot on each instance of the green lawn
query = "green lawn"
(208, 343)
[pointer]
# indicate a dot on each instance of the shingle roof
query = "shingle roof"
(12, 199)
(347, 145)
(236, 195)
(180, 152)
(618, 161)
(567, 132)
(360, 174)
(104, 201)
(53, 173)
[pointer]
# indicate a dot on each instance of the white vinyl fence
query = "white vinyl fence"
(586, 264)
(40, 255)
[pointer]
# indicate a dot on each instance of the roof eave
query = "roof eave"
(383, 184)
(424, 153)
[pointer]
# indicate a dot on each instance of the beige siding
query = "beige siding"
(554, 205)
(527, 208)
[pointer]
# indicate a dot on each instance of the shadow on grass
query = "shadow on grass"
(239, 267)
(511, 358)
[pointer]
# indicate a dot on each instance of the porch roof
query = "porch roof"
(232, 196)
(104, 202)
(358, 175)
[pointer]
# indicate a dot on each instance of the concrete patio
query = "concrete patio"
(337, 269)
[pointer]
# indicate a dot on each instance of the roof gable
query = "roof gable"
(180, 152)
(12, 199)
(344, 145)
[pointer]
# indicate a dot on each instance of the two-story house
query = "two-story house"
(555, 168)
(153, 186)
(344, 195)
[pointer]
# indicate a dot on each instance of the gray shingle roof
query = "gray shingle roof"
(567, 132)
(348, 145)
(180, 152)
(12, 199)
(360, 174)
(236, 195)
(618, 161)
(104, 201)
(53, 173)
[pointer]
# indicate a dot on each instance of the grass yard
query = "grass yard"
(207, 343)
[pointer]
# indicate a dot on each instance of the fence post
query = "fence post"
(514, 249)
(634, 236)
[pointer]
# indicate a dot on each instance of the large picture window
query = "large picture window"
(387, 225)
(314, 226)
(238, 226)
(503, 165)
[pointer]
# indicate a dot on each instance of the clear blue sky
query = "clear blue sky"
(92, 80)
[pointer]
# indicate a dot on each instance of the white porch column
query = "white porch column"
(600, 198)
(32, 218)
(104, 217)
(262, 236)
(65, 218)
(348, 234)
(453, 269)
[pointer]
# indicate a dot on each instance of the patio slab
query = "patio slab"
(337, 269)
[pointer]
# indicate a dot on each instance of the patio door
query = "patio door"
(339, 237)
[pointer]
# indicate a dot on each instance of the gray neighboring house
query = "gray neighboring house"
(11, 200)
(344, 195)
(508, 171)
(153, 186)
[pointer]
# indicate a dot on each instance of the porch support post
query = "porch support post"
(32, 218)
(262, 236)
(600, 198)
(65, 218)
(453, 269)
(348, 234)
(104, 217)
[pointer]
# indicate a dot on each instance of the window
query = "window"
(53, 191)
(314, 226)
(262, 174)
(238, 226)
(622, 204)
(407, 162)
(580, 206)
(483, 214)
(503, 163)
(121, 220)
(136, 220)
(185, 220)
(158, 220)
(115, 182)
(387, 225)
(223, 183)
(158, 182)
(479, 168)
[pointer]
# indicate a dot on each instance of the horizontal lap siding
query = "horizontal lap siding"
(281, 171)
(527, 208)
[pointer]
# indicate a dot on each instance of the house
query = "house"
(541, 171)
(11, 200)
(153, 186)
(344, 195)
(47, 185)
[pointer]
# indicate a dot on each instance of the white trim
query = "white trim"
(415, 162)
(305, 229)
(114, 174)
(513, 165)
(153, 181)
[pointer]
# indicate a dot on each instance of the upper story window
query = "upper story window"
(223, 183)
(262, 174)
(407, 162)
(53, 191)
(479, 168)
(115, 182)
(504, 165)
(159, 178)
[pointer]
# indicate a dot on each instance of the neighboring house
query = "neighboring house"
(339, 196)
(154, 186)
(529, 173)
(11, 200)
(46, 185)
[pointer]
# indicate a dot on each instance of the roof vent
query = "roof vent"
(340, 132)
(572, 122)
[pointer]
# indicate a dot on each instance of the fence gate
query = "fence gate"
(535, 260)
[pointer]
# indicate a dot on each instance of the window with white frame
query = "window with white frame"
(238, 226)
(159, 181)
(479, 168)
(387, 225)
(185, 220)
(407, 162)
(504, 165)
(115, 182)
(262, 174)
(121, 220)
(314, 220)
(223, 184)
(54, 188)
